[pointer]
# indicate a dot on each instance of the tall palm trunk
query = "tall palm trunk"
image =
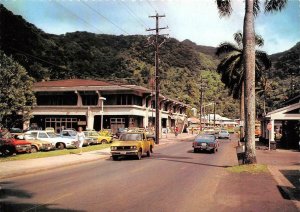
(242, 113)
(249, 65)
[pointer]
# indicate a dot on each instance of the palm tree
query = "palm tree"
(233, 72)
(252, 8)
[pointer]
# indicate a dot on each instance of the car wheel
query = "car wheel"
(114, 157)
(148, 153)
(7, 151)
(195, 150)
(104, 141)
(34, 149)
(139, 155)
(60, 146)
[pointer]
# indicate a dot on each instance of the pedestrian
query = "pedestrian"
(176, 131)
(80, 138)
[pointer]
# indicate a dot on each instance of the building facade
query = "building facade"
(94, 104)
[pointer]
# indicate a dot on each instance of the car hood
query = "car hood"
(125, 143)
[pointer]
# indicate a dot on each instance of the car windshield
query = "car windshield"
(52, 135)
(69, 133)
(94, 134)
(223, 131)
(131, 137)
(206, 138)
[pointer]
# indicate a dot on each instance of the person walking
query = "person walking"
(80, 138)
(176, 131)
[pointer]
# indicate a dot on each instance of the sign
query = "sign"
(269, 126)
(164, 130)
(81, 122)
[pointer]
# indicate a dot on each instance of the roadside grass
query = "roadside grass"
(251, 168)
(52, 153)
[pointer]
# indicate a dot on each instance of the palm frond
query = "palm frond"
(256, 7)
(238, 37)
(226, 47)
(259, 41)
(275, 5)
(264, 59)
(224, 7)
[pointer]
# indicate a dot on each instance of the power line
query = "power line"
(139, 20)
(74, 14)
(104, 17)
(150, 4)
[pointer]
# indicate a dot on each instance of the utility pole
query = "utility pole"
(157, 45)
(214, 114)
(201, 100)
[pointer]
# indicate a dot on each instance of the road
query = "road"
(172, 179)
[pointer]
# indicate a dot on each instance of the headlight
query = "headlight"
(113, 148)
(133, 147)
(18, 146)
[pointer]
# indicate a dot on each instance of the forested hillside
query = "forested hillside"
(129, 59)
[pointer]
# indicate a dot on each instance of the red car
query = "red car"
(9, 146)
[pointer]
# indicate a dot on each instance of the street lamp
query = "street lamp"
(102, 99)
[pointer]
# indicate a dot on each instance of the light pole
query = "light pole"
(102, 99)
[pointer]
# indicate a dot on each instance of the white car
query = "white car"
(57, 141)
(223, 134)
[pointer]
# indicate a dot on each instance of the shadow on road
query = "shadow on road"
(6, 203)
(177, 159)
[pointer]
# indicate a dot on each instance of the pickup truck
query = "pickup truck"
(132, 144)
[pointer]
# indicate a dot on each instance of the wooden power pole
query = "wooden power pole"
(157, 45)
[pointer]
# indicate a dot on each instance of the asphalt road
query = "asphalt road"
(172, 179)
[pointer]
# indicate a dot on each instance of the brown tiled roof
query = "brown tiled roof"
(72, 83)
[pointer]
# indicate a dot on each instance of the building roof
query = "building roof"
(291, 112)
(72, 83)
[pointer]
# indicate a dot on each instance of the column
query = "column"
(79, 99)
(160, 120)
(90, 119)
(146, 118)
(271, 132)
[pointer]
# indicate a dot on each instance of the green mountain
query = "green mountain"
(129, 59)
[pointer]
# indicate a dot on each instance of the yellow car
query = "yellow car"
(132, 144)
(37, 145)
(96, 138)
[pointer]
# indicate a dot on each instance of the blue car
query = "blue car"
(206, 142)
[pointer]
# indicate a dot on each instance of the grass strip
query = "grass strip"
(249, 168)
(52, 153)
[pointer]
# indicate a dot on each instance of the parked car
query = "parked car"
(72, 134)
(132, 144)
(57, 141)
(206, 142)
(223, 134)
(97, 138)
(9, 146)
(37, 145)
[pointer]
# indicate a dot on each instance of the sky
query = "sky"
(196, 20)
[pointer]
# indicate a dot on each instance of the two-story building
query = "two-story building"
(92, 104)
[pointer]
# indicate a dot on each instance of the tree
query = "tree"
(252, 8)
(232, 69)
(16, 95)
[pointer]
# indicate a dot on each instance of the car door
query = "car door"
(146, 143)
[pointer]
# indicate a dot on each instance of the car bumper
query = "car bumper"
(208, 148)
(131, 152)
(23, 149)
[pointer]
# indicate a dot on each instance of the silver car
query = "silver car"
(223, 134)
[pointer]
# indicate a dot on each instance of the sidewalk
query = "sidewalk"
(284, 166)
(22, 167)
